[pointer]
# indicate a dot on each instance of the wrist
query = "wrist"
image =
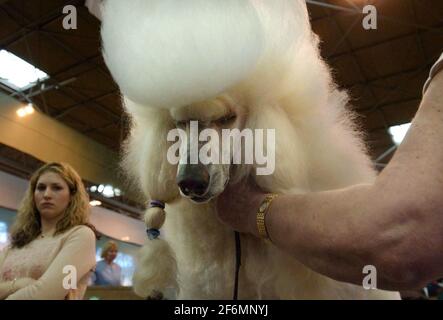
(252, 219)
(261, 216)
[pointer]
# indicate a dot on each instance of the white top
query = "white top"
(55, 262)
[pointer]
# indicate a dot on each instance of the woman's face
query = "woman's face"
(111, 254)
(51, 195)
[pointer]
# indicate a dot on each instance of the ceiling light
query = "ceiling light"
(29, 109)
(399, 132)
(95, 203)
(18, 74)
(108, 191)
(25, 111)
(21, 112)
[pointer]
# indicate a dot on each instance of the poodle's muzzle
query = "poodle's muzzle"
(201, 182)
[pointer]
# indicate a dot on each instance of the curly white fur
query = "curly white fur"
(262, 54)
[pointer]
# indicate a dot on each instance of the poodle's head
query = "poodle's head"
(205, 141)
(180, 57)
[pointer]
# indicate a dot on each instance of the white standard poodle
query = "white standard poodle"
(228, 64)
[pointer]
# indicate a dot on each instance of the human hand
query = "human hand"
(237, 206)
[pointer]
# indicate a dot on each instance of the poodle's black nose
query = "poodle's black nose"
(193, 180)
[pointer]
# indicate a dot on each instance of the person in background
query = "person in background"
(52, 248)
(107, 272)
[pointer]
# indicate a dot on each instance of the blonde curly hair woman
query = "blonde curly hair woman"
(52, 246)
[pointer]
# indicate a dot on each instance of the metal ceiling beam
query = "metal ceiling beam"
(6, 88)
(72, 35)
(360, 71)
(333, 6)
(43, 88)
(378, 86)
(88, 60)
(419, 40)
(414, 74)
(375, 44)
(31, 27)
(89, 100)
(95, 103)
(106, 126)
(352, 54)
(389, 75)
(100, 107)
(14, 167)
(53, 75)
(75, 65)
(61, 44)
(74, 106)
(381, 17)
(77, 56)
(367, 111)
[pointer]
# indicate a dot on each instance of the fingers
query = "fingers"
(237, 206)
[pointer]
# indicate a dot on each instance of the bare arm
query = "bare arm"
(394, 224)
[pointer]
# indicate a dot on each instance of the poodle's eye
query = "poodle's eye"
(226, 120)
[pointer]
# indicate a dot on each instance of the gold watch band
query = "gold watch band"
(261, 215)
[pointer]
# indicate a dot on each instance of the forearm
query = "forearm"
(337, 233)
(6, 288)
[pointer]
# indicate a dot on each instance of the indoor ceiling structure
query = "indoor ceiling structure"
(383, 69)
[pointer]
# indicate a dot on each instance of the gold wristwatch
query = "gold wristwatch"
(261, 214)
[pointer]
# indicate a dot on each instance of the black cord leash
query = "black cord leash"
(237, 263)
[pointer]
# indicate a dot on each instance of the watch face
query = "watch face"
(263, 207)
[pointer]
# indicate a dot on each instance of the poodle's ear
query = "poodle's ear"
(145, 152)
(146, 162)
